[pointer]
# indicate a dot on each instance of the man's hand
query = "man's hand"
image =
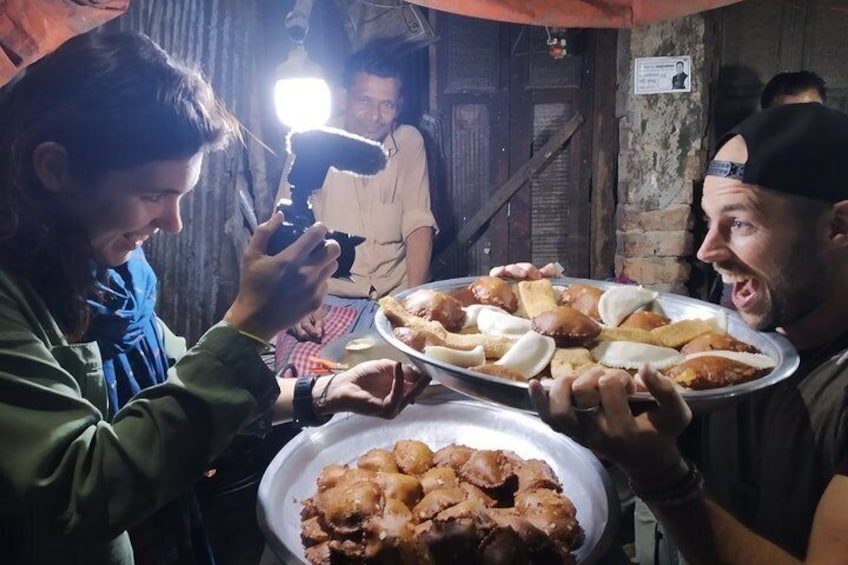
(374, 388)
(592, 407)
(525, 271)
(310, 328)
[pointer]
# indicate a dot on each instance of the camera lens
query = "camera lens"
(348, 244)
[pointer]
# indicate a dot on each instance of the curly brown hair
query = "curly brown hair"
(113, 101)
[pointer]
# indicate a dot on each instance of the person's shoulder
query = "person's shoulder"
(16, 295)
(827, 381)
(407, 134)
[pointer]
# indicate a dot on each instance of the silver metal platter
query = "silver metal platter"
(338, 349)
(514, 394)
(291, 476)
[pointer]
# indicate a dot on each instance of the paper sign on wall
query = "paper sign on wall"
(663, 74)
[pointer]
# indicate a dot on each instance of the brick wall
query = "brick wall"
(662, 140)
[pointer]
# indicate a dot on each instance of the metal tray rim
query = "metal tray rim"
(788, 359)
(320, 435)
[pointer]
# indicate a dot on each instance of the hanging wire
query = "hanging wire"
(517, 39)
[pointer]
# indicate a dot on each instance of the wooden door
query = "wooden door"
(500, 96)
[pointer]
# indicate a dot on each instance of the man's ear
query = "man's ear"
(50, 163)
(839, 224)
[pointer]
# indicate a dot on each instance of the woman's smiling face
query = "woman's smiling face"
(125, 207)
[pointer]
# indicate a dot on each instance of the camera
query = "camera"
(289, 231)
(313, 152)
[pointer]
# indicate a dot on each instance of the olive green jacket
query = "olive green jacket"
(72, 482)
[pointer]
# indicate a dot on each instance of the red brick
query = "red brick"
(655, 244)
(677, 217)
(656, 270)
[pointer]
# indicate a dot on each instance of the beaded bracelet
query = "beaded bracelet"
(687, 488)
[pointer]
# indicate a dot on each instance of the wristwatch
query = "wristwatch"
(303, 411)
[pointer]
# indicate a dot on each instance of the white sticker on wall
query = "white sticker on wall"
(653, 75)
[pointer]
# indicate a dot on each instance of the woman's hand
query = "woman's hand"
(525, 271)
(276, 291)
(374, 388)
(592, 407)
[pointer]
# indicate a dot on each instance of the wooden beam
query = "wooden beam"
(469, 233)
(604, 157)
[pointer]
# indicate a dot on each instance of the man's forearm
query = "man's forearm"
(419, 246)
(708, 534)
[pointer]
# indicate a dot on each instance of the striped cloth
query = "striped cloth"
(338, 321)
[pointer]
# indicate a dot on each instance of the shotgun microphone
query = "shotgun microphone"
(313, 153)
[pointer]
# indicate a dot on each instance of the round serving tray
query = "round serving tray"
(291, 476)
(514, 394)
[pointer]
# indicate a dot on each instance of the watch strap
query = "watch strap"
(303, 408)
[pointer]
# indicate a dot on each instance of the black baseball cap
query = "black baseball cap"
(799, 149)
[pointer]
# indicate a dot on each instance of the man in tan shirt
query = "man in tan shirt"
(391, 210)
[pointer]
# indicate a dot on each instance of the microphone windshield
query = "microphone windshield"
(342, 150)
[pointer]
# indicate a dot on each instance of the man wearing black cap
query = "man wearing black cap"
(776, 197)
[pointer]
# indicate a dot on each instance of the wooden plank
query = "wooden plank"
(554, 211)
(561, 233)
(475, 126)
(604, 158)
(472, 56)
(751, 42)
(496, 241)
(519, 139)
(791, 44)
(468, 234)
(824, 45)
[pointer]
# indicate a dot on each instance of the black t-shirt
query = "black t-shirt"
(769, 458)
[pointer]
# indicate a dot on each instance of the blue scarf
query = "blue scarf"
(126, 330)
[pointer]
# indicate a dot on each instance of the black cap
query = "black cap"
(800, 149)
